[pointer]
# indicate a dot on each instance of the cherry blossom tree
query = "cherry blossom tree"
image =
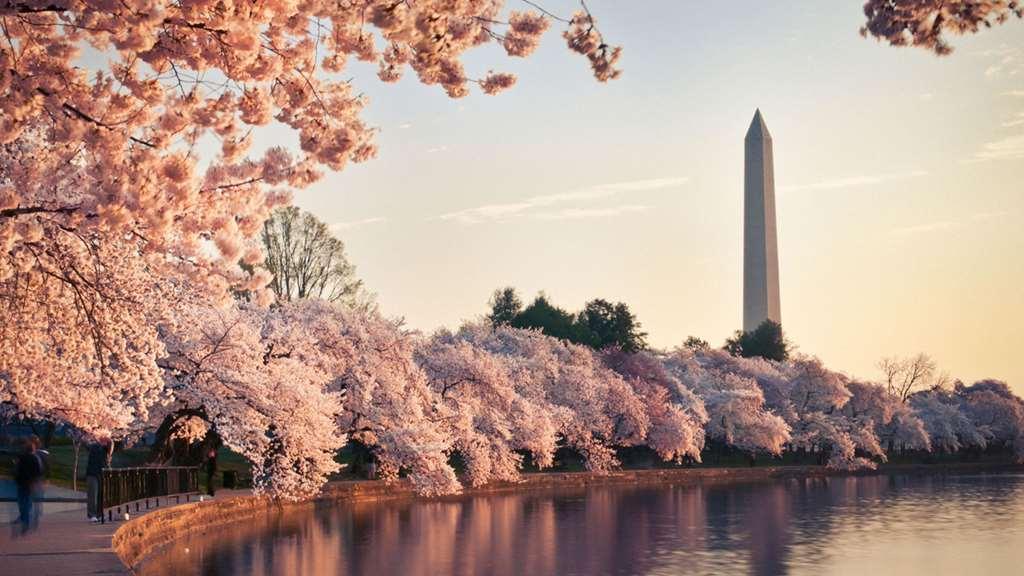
(178, 73)
(906, 430)
(884, 419)
(819, 396)
(80, 300)
(998, 412)
(925, 23)
(678, 416)
(810, 399)
(490, 421)
(596, 409)
(769, 375)
(84, 283)
(224, 369)
(287, 386)
(737, 415)
(949, 428)
(386, 400)
(108, 199)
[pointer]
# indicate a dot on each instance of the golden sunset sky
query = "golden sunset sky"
(899, 176)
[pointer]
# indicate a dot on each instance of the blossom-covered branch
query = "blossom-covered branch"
(925, 23)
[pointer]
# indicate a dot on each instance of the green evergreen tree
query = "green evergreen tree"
(767, 341)
(505, 306)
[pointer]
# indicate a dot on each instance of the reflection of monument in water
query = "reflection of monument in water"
(760, 247)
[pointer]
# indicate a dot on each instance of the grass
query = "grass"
(62, 462)
(62, 456)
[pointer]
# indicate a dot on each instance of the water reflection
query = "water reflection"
(879, 525)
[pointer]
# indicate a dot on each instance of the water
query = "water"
(971, 524)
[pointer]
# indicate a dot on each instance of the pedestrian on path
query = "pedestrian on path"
(211, 470)
(98, 460)
(28, 477)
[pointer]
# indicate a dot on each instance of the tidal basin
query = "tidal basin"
(905, 524)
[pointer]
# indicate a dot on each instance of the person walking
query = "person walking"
(94, 467)
(38, 488)
(28, 473)
(211, 469)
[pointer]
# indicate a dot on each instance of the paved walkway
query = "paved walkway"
(9, 510)
(65, 542)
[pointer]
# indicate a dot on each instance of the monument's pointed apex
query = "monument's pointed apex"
(758, 129)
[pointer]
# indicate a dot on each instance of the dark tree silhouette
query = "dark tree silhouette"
(549, 319)
(602, 324)
(696, 344)
(767, 341)
(505, 306)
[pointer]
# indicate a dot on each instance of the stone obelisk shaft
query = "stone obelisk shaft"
(760, 248)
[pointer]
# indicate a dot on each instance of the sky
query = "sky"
(898, 174)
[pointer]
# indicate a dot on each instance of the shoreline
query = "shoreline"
(138, 539)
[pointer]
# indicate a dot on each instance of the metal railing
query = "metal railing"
(123, 488)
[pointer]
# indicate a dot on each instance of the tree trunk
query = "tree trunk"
(48, 434)
(110, 454)
(77, 442)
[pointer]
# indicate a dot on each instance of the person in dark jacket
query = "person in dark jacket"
(211, 470)
(98, 452)
(28, 476)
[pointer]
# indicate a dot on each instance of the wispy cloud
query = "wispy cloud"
(991, 52)
(1015, 121)
(349, 226)
(587, 213)
(927, 97)
(1014, 93)
(1008, 148)
(529, 206)
(947, 225)
(853, 181)
(1007, 61)
(405, 125)
(936, 226)
(646, 185)
(486, 213)
(441, 148)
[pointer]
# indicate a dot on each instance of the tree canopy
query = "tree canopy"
(123, 244)
(306, 260)
(766, 341)
(602, 324)
(505, 306)
(925, 23)
(548, 318)
(599, 325)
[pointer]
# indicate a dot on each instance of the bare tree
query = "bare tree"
(307, 261)
(905, 375)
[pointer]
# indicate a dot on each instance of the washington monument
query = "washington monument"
(760, 250)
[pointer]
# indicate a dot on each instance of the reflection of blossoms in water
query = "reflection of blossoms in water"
(792, 526)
